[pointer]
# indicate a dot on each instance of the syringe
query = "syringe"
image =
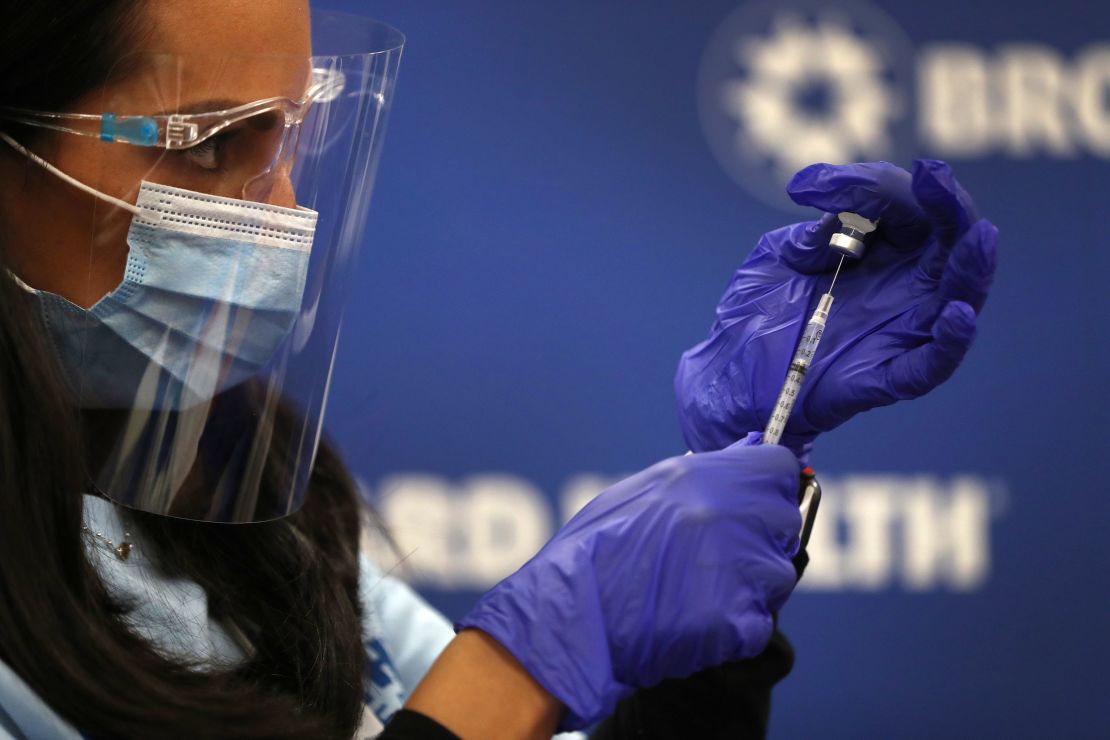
(849, 242)
(803, 356)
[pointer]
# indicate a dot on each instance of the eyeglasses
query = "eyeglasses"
(178, 131)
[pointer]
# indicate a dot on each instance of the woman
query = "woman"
(165, 344)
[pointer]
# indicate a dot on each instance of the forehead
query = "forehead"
(228, 49)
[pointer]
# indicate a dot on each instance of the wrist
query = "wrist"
(477, 689)
(551, 622)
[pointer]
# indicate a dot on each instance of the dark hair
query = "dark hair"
(290, 584)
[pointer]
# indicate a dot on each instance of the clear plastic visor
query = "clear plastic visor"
(202, 376)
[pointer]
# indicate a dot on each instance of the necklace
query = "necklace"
(122, 550)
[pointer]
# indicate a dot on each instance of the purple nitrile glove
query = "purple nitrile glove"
(903, 317)
(676, 569)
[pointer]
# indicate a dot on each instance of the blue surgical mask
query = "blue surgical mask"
(211, 288)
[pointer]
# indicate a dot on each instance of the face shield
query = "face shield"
(202, 378)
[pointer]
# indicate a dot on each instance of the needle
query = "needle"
(836, 274)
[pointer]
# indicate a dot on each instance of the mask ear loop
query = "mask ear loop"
(69, 178)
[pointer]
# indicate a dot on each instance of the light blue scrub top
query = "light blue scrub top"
(403, 635)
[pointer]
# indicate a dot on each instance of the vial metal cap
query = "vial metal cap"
(854, 228)
(848, 242)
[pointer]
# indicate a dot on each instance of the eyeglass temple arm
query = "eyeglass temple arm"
(180, 132)
(139, 130)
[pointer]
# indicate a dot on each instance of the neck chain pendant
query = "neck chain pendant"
(122, 550)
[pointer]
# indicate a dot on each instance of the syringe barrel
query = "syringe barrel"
(799, 365)
(811, 337)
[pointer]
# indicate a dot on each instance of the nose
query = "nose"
(282, 193)
(275, 188)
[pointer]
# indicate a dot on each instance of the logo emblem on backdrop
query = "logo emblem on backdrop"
(786, 84)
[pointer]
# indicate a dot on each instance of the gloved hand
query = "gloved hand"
(673, 570)
(902, 320)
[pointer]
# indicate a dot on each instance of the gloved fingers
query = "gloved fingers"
(942, 197)
(873, 189)
(946, 203)
(804, 247)
(751, 626)
(765, 468)
(764, 485)
(782, 581)
(763, 587)
(923, 368)
(967, 273)
(970, 268)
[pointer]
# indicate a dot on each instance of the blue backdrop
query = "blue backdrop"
(566, 188)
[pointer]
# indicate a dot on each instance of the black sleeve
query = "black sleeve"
(410, 725)
(731, 701)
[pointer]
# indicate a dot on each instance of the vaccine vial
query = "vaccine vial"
(853, 229)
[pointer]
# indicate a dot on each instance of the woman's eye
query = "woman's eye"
(207, 154)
